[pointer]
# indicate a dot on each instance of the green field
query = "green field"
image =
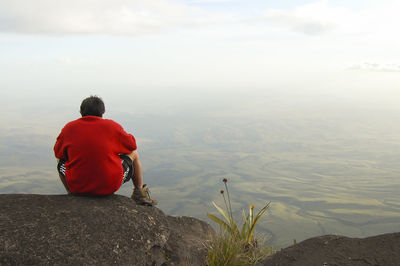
(325, 171)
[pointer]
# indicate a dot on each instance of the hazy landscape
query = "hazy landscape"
(328, 166)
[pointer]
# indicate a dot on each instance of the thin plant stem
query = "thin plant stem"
(229, 201)
(226, 205)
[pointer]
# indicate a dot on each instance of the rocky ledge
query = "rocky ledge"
(73, 230)
(330, 250)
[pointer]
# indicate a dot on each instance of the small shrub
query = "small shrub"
(225, 250)
(232, 246)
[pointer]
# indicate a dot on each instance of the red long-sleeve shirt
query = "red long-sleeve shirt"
(91, 146)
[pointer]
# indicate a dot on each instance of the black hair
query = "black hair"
(92, 105)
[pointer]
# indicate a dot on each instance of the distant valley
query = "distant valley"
(325, 171)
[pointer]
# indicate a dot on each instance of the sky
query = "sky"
(129, 49)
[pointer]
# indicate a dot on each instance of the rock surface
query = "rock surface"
(73, 230)
(381, 250)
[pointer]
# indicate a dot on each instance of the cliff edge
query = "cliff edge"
(331, 250)
(74, 230)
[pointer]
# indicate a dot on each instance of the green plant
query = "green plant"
(225, 250)
(247, 230)
(234, 245)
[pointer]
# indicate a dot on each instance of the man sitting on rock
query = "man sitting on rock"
(96, 156)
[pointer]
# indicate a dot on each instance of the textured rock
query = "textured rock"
(73, 230)
(381, 250)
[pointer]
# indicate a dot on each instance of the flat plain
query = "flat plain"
(326, 170)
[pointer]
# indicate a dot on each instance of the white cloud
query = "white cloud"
(136, 17)
(307, 26)
(208, 1)
(379, 21)
(377, 67)
(311, 19)
(92, 17)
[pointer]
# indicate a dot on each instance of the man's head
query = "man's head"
(92, 105)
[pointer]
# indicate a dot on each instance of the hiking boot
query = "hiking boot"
(142, 196)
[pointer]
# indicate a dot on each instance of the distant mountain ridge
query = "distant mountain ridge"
(74, 230)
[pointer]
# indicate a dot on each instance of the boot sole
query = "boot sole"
(144, 203)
